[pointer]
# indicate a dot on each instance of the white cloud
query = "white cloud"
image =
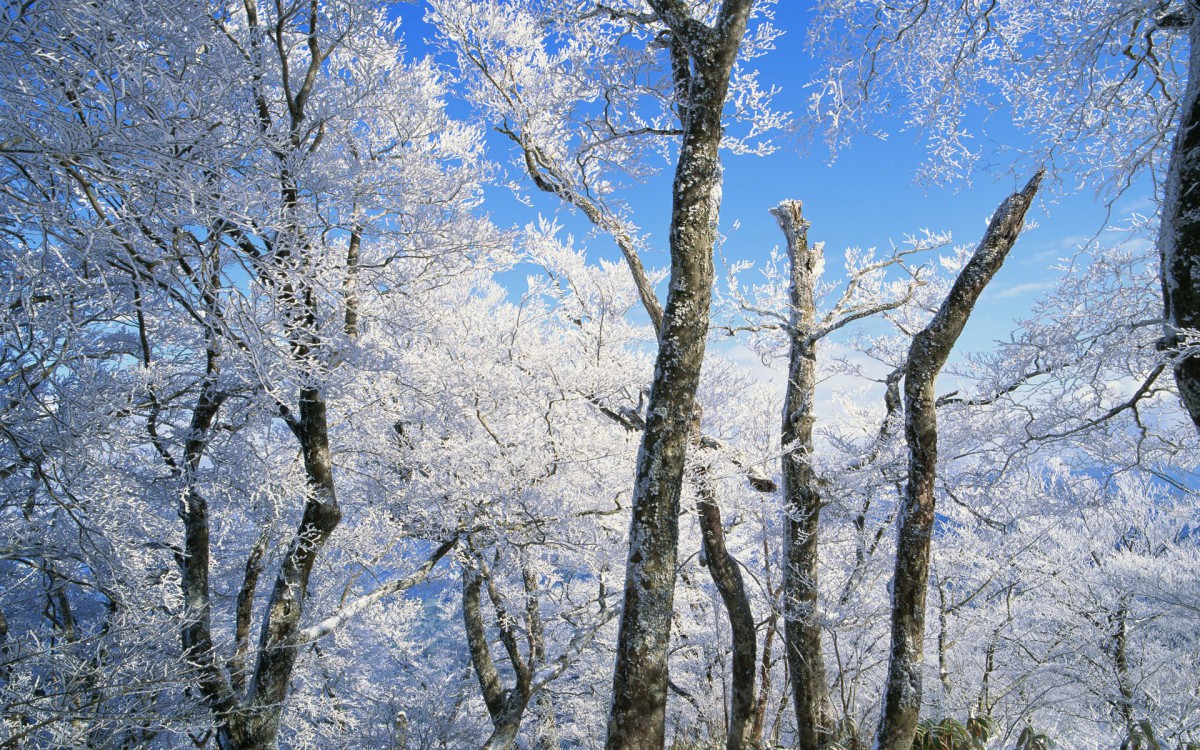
(1020, 289)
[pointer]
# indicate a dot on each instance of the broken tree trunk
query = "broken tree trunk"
(802, 500)
(926, 356)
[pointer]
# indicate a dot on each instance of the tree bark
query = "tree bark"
(764, 682)
(5, 648)
(196, 632)
(278, 645)
(802, 500)
(546, 732)
(638, 712)
(350, 280)
(1179, 235)
(477, 645)
(725, 574)
(926, 356)
(277, 653)
(506, 707)
(245, 610)
(1120, 655)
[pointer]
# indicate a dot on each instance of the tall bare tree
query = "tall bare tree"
(926, 356)
(702, 61)
(802, 627)
(864, 294)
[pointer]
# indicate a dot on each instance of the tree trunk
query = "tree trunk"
(1179, 235)
(198, 647)
(926, 356)
(350, 280)
(1120, 655)
(506, 707)
(507, 723)
(546, 732)
(802, 500)
(764, 680)
(638, 713)
(728, 579)
(477, 645)
(942, 642)
(277, 652)
(196, 632)
(546, 735)
(5, 649)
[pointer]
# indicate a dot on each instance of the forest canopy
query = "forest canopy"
(354, 394)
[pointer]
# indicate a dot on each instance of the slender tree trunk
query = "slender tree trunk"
(638, 714)
(926, 356)
(292, 250)
(1179, 235)
(197, 629)
(1120, 654)
(506, 707)
(350, 280)
(196, 634)
(983, 706)
(477, 645)
(725, 574)
(764, 682)
(546, 732)
(238, 669)
(277, 653)
(5, 649)
(802, 500)
(943, 644)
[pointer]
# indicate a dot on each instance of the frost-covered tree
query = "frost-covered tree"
(237, 187)
(540, 80)
(283, 462)
(927, 355)
(1107, 90)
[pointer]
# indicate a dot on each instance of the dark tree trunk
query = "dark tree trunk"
(477, 644)
(1120, 655)
(802, 500)
(506, 707)
(1179, 235)
(764, 682)
(196, 632)
(5, 649)
(277, 653)
(725, 574)
(238, 669)
(198, 646)
(637, 717)
(926, 356)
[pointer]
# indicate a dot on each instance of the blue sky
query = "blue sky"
(866, 197)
